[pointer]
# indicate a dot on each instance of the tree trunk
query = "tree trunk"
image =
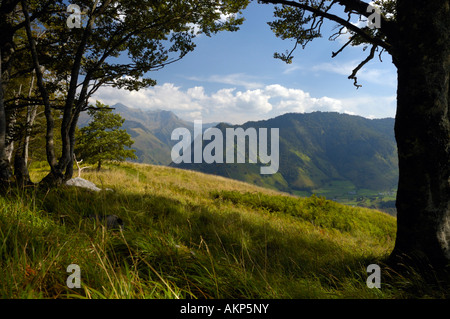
(21, 158)
(54, 177)
(7, 49)
(10, 136)
(21, 170)
(22, 165)
(5, 168)
(69, 170)
(422, 130)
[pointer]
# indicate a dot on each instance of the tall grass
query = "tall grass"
(187, 235)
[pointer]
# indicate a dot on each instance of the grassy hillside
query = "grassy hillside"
(189, 234)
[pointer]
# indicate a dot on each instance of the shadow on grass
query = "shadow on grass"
(212, 252)
(203, 250)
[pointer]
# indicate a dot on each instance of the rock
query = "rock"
(113, 222)
(81, 182)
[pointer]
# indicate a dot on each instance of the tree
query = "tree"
(7, 48)
(417, 36)
(12, 57)
(95, 43)
(102, 139)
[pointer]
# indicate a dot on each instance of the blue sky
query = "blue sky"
(233, 77)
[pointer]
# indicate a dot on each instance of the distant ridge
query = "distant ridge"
(320, 148)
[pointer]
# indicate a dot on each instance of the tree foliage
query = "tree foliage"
(103, 139)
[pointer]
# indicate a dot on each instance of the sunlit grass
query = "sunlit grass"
(187, 235)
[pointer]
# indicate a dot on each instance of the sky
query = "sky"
(233, 77)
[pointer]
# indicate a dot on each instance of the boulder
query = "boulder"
(81, 182)
(112, 222)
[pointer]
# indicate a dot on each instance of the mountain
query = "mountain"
(150, 130)
(318, 150)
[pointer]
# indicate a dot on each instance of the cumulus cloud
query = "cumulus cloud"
(229, 104)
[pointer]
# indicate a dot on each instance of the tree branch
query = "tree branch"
(355, 71)
(334, 54)
(33, 16)
(349, 5)
(387, 27)
(78, 165)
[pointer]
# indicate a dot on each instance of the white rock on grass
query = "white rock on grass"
(81, 182)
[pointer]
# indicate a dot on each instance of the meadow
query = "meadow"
(191, 235)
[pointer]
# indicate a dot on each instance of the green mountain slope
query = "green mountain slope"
(318, 150)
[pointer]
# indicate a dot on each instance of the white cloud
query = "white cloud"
(290, 68)
(235, 79)
(368, 73)
(197, 92)
(238, 106)
(343, 68)
(371, 106)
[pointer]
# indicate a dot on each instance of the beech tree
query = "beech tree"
(416, 34)
(92, 43)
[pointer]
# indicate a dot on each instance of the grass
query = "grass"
(345, 192)
(189, 235)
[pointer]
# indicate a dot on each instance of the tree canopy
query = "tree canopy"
(103, 139)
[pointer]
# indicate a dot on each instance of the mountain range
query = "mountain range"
(150, 130)
(316, 149)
